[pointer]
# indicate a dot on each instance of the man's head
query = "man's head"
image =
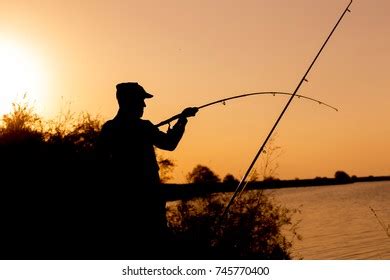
(131, 98)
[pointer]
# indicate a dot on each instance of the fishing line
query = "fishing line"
(223, 101)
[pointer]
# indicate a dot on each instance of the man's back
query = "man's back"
(129, 147)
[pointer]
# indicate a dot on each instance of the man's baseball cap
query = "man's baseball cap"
(131, 89)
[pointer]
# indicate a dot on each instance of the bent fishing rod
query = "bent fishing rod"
(242, 96)
(242, 184)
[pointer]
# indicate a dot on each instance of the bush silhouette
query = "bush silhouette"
(230, 180)
(21, 134)
(202, 175)
(25, 135)
(166, 167)
(253, 229)
(342, 177)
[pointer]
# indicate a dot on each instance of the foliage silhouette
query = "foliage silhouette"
(202, 175)
(166, 168)
(230, 180)
(253, 230)
(342, 177)
(23, 133)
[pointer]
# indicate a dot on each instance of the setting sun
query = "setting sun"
(20, 74)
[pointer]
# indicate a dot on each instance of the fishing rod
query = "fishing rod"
(385, 228)
(242, 182)
(246, 95)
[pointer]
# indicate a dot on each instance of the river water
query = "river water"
(336, 222)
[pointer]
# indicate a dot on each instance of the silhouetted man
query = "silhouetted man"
(127, 144)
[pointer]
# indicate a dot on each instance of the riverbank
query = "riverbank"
(188, 191)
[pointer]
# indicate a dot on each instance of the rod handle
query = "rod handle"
(175, 117)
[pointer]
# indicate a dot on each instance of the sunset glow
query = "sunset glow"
(20, 74)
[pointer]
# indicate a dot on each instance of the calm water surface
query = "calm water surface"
(337, 223)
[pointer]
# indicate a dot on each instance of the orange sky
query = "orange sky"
(189, 53)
